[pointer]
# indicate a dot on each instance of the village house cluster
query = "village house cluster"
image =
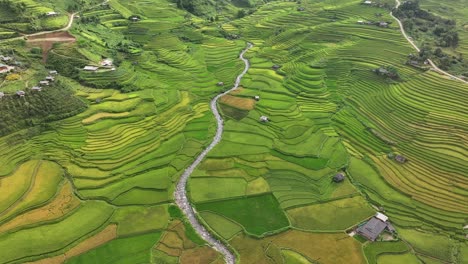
(46, 82)
(7, 64)
(375, 23)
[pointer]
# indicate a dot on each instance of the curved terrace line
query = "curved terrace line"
(180, 192)
(437, 69)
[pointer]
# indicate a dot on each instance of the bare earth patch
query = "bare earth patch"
(237, 91)
(46, 41)
(238, 102)
(175, 243)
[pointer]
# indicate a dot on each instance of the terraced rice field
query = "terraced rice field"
(266, 189)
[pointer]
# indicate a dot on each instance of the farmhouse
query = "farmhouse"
(264, 119)
(106, 62)
(91, 68)
(360, 22)
(367, 2)
(50, 78)
(375, 226)
(36, 88)
(51, 13)
(20, 93)
(382, 71)
(134, 18)
(400, 158)
(276, 67)
(2, 94)
(383, 24)
(220, 84)
(44, 82)
(257, 98)
(339, 177)
(53, 72)
(4, 68)
(6, 58)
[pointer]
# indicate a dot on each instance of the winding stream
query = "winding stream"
(180, 192)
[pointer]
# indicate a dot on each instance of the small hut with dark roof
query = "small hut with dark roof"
(339, 177)
(276, 67)
(20, 93)
(400, 158)
(257, 98)
(264, 119)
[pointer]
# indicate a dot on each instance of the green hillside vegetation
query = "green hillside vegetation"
(28, 16)
(36, 109)
(213, 10)
(438, 36)
(109, 145)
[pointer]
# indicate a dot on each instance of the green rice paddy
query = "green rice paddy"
(118, 147)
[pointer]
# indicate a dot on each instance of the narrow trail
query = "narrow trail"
(66, 28)
(180, 192)
(437, 69)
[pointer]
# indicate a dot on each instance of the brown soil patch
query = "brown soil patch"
(200, 255)
(175, 243)
(238, 102)
(237, 91)
(173, 240)
(46, 41)
(175, 252)
(62, 34)
(106, 235)
(61, 205)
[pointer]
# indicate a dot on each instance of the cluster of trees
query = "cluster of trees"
(388, 71)
(38, 108)
(76, 5)
(211, 8)
(442, 59)
(90, 19)
(14, 6)
(416, 20)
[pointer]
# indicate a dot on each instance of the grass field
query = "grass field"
(257, 214)
(109, 146)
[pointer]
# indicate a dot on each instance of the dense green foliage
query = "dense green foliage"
(434, 33)
(37, 109)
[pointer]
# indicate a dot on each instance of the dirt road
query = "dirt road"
(181, 194)
(434, 67)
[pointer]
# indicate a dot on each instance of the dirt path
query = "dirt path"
(181, 194)
(66, 28)
(434, 67)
